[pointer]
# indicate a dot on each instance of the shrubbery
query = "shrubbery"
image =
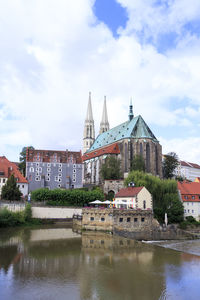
(189, 221)
(11, 219)
(59, 197)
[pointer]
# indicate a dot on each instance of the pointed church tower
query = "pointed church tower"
(89, 133)
(131, 115)
(104, 125)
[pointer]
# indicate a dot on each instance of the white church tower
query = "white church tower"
(104, 125)
(89, 132)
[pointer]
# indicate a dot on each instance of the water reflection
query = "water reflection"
(57, 262)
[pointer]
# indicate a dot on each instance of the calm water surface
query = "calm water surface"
(58, 263)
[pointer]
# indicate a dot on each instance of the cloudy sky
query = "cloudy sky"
(53, 52)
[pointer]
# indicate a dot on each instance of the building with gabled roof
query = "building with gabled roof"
(124, 141)
(189, 193)
(7, 168)
(54, 169)
(133, 197)
(187, 170)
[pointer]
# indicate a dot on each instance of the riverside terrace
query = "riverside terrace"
(132, 223)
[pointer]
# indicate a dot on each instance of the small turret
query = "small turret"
(131, 115)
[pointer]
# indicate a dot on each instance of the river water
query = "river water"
(57, 263)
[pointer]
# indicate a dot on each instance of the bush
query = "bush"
(75, 197)
(42, 194)
(28, 213)
(10, 219)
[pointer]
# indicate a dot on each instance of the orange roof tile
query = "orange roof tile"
(129, 192)
(111, 149)
(190, 190)
(7, 168)
(49, 156)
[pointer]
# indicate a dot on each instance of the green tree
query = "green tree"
(22, 159)
(138, 163)
(10, 191)
(170, 163)
(164, 194)
(111, 168)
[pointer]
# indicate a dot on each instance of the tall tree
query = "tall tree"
(10, 191)
(138, 163)
(170, 163)
(22, 159)
(164, 193)
(111, 168)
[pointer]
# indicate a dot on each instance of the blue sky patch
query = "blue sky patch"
(111, 13)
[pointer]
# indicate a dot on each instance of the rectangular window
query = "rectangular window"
(135, 219)
(192, 211)
(193, 197)
(92, 219)
(4, 180)
(22, 186)
(120, 220)
(188, 210)
(128, 219)
(142, 219)
(186, 197)
(102, 219)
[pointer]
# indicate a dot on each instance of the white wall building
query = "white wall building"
(7, 168)
(187, 170)
(190, 196)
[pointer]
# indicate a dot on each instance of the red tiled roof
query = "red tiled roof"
(129, 192)
(7, 168)
(189, 189)
(190, 165)
(111, 149)
(49, 156)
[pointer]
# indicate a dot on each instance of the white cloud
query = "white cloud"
(54, 52)
(187, 149)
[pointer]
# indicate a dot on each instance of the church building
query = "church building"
(124, 141)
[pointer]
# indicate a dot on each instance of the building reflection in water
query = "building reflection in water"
(93, 265)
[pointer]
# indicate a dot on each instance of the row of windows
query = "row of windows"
(121, 219)
(193, 197)
(53, 164)
(188, 211)
(47, 178)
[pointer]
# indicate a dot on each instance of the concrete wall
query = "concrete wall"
(54, 212)
(39, 212)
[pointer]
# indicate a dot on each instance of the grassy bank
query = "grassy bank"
(21, 218)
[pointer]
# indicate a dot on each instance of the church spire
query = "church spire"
(89, 132)
(131, 111)
(104, 125)
(89, 116)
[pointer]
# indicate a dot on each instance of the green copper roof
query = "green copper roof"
(136, 128)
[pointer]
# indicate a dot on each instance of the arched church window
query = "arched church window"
(148, 157)
(141, 149)
(126, 157)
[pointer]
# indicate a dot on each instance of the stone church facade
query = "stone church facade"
(124, 141)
